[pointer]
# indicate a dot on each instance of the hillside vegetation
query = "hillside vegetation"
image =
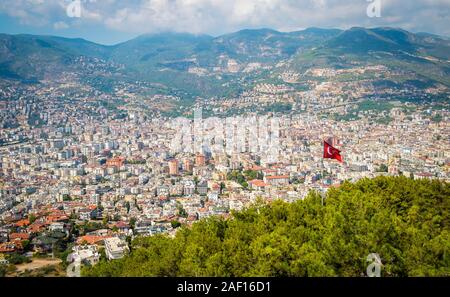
(405, 221)
(170, 58)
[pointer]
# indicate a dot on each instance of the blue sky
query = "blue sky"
(113, 21)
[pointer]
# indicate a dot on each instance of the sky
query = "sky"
(114, 21)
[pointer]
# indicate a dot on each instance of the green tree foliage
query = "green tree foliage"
(32, 218)
(63, 255)
(15, 258)
(2, 270)
(87, 227)
(383, 168)
(252, 174)
(175, 224)
(181, 211)
(405, 221)
(132, 222)
(26, 244)
(437, 118)
(278, 107)
(237, 176)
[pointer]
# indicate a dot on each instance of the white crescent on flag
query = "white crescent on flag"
(328, 150)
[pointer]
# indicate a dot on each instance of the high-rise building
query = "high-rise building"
(173, 167)
(187, 165)
(333, 141)
(200, 160)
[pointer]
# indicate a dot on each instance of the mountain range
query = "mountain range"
(202, 65)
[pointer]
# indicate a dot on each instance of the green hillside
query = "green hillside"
(38, 57)
(405, 221)
(199, 65)
(426, 56)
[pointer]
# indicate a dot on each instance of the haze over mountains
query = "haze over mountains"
(202, 65)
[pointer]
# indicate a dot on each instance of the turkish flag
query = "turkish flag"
(329, 152)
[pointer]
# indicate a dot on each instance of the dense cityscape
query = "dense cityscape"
(229, 139)
(76, 177)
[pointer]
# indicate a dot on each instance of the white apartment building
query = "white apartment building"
(115, 248)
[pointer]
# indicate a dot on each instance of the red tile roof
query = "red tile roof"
(22, 223)
(258, 183)
(21, 236)
(36, 227)
(91, 239)
(122, 225)
(277, 177)
(7, 247)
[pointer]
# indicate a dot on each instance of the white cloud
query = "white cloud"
(220, 16)
(60, 25)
